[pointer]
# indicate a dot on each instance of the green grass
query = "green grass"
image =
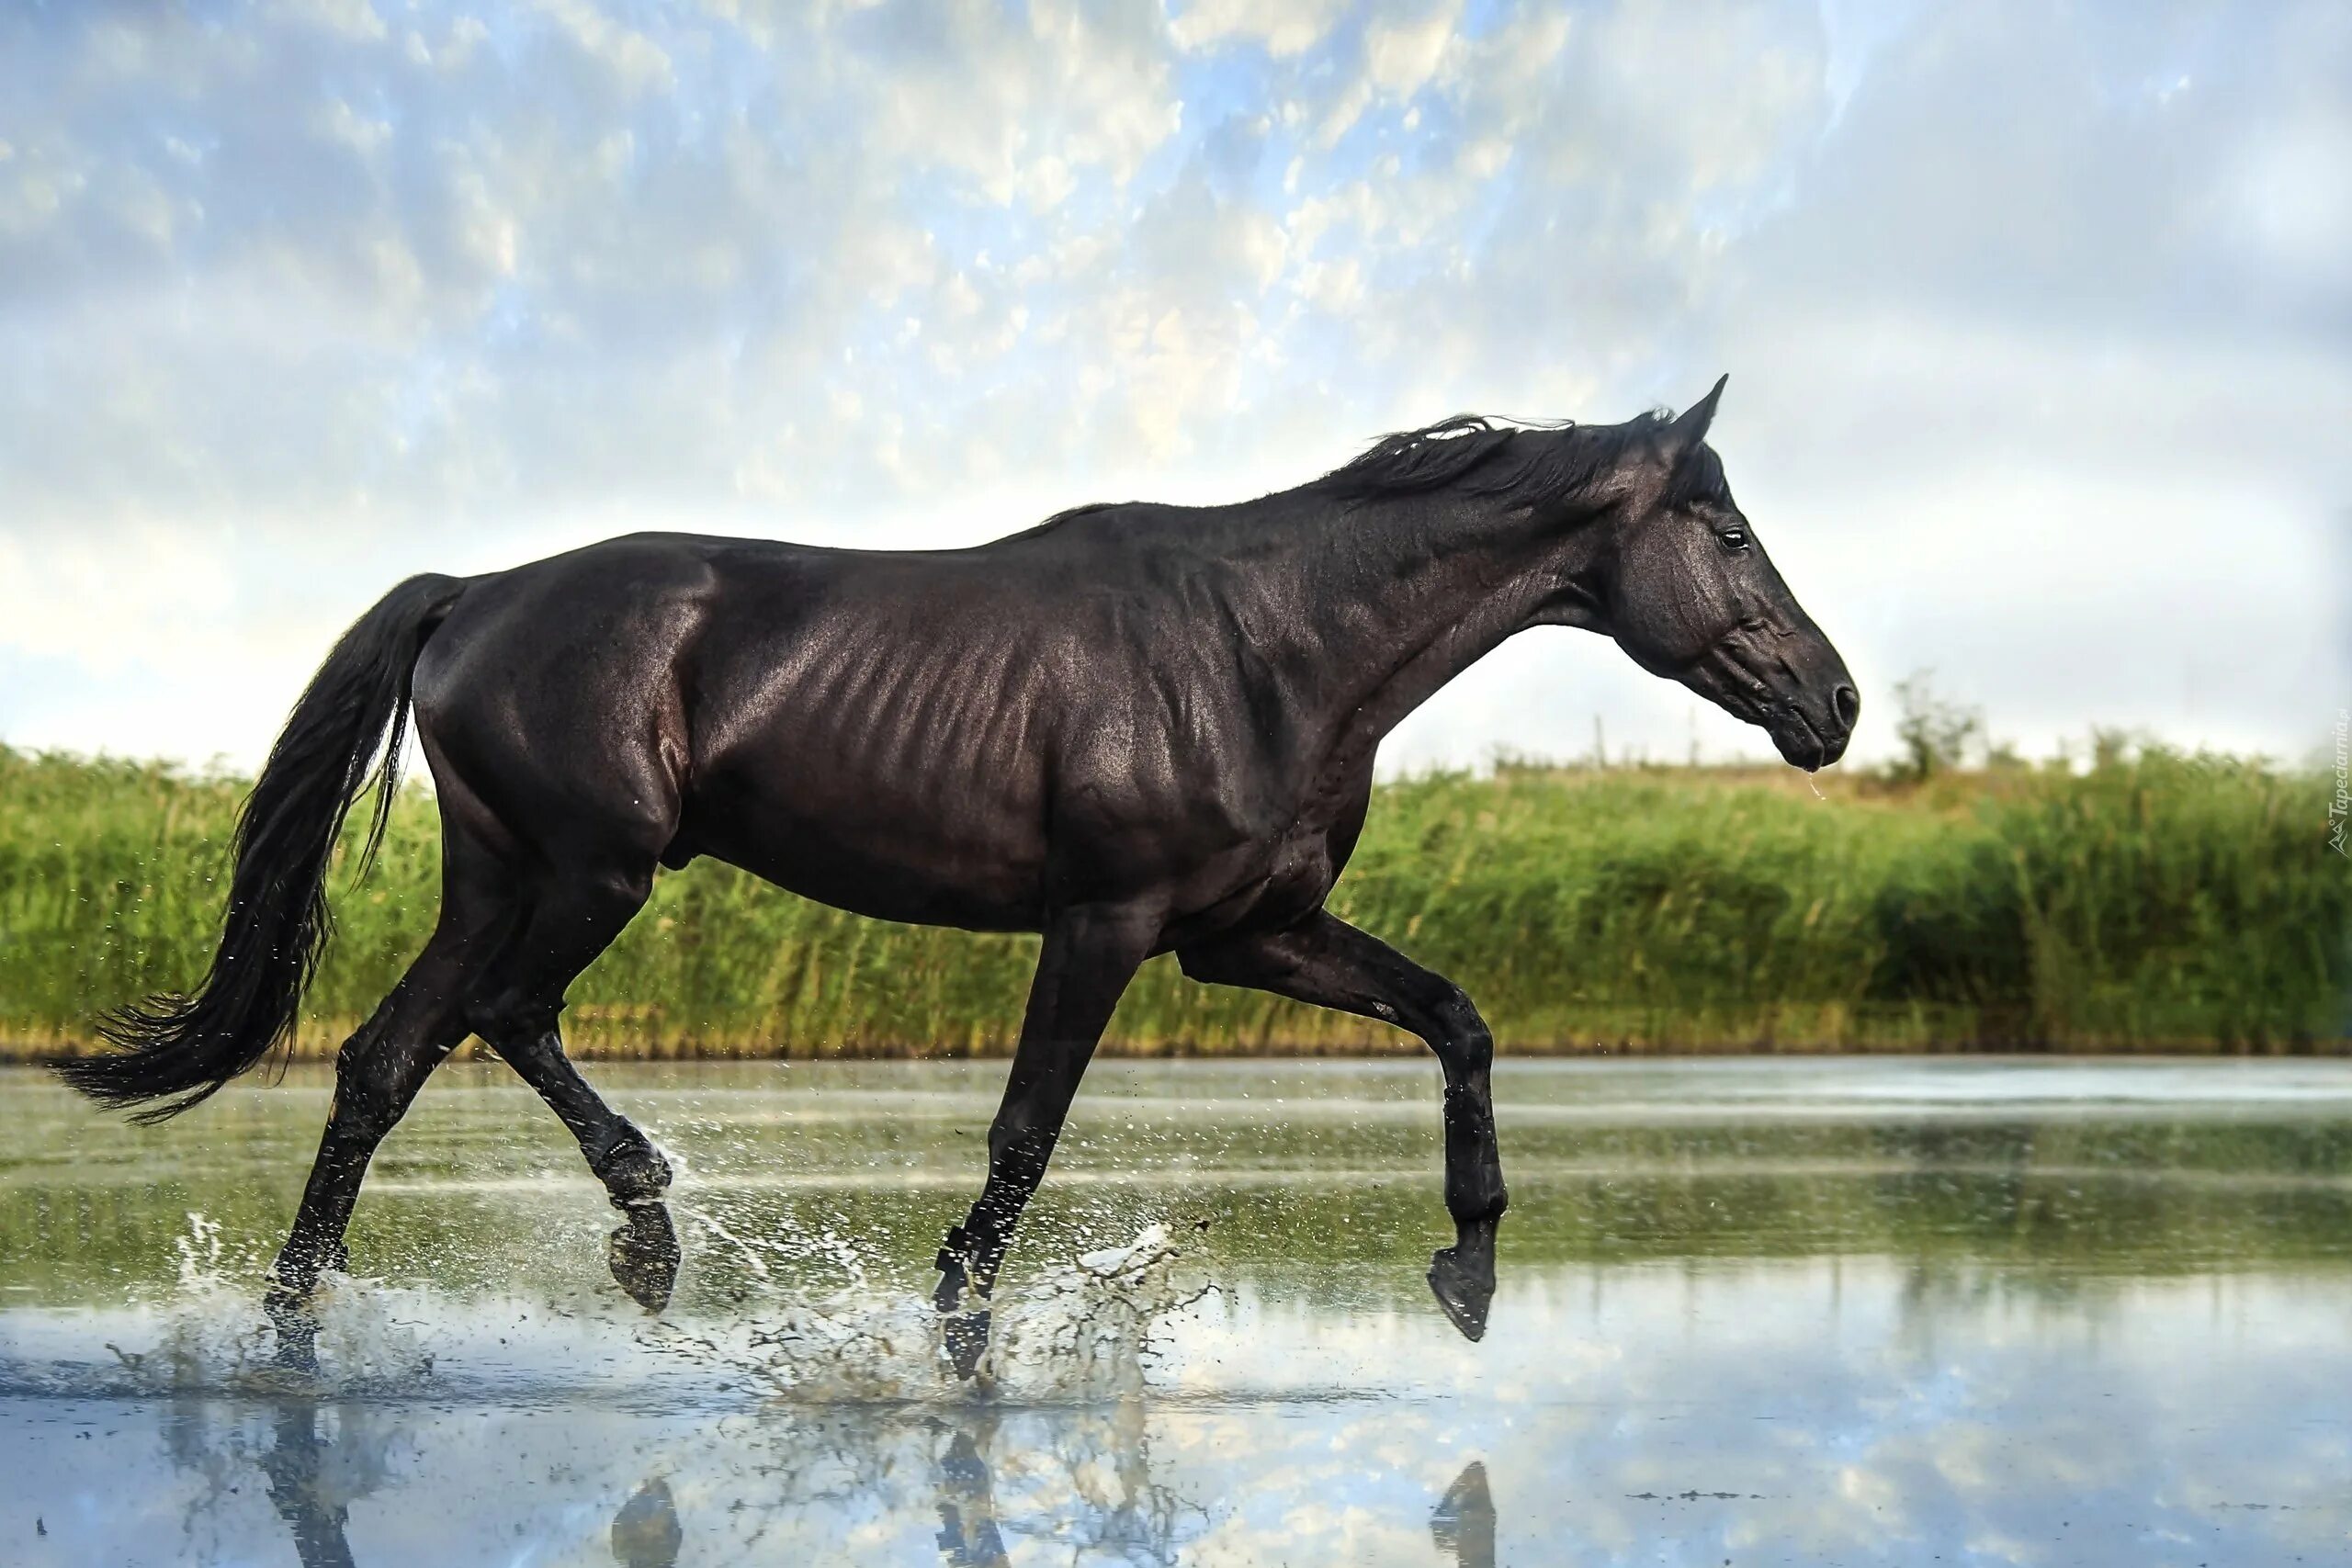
(2155, 901)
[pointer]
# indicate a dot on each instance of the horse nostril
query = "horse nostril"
(1847, 703)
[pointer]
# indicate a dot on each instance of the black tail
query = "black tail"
(277, 922)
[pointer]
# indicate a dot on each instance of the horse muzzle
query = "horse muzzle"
(1806, 704)
(1813, 740)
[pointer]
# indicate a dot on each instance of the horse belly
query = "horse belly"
(903, 870)
(911, 814)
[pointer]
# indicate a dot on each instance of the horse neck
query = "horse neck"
(1375, 605)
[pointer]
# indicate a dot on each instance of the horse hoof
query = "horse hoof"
(643, 1256)
(1464, 1289)
(297, 1357)
(966, 1335)
(292, 1280)
(297, 1331)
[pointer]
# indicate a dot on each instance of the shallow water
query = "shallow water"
(1769, 1311)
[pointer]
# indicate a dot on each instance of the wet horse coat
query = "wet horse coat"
(1134, 728)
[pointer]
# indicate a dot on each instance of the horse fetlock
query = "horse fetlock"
(964, 1336)
(966, 1263)
(300, 1262)
(293, 1279)
(632, 1170)
(1477, 1203)
(297, 1327)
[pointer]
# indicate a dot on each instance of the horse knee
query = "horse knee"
(1461, 1039)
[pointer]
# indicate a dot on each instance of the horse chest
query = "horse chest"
(1293, 881)
(1302, 874)
(1307, 860)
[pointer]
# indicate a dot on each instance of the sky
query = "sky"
(2038, 318)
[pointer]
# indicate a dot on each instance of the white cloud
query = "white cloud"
(1023, 102)
(638, 65)
(1401, 56)
(337, 121)
(1284, 27)
(466, 35)
(350, 18)
(2283, 195)
(374, 300)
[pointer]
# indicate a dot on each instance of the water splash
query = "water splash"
(1086, 1329)
(1077, 1332)
(199, 1251)
(210, 1337)
(812, 1317)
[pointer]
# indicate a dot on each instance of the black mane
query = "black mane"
(1481, 455)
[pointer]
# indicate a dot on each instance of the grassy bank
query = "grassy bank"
(2153, 901)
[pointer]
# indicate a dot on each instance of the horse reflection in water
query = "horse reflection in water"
(318, 1458)
(1124, 1515)
(1464, 1521)
(1133, 729)
(315, 1511)
(646, 1532)
(1095, 1473)
(968, 1534)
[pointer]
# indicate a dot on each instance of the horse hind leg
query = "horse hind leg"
(572, 921)
(643, 1252)
(378, 1074)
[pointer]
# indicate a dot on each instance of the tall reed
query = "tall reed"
(2153, 901)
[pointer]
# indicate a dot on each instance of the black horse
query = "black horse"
(1134, 728)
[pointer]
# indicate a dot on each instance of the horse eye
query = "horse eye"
(1733, 539)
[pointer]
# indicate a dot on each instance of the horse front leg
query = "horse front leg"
(1327, 962)
(1090, 952)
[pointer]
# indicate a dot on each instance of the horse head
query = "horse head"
(1687, 591)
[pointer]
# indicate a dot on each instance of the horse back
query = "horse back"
(957, 738)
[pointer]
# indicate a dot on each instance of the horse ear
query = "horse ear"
(1685, 433)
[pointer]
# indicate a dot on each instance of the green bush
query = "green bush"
(2153, 901)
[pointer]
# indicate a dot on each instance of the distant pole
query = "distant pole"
(1599, 746)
